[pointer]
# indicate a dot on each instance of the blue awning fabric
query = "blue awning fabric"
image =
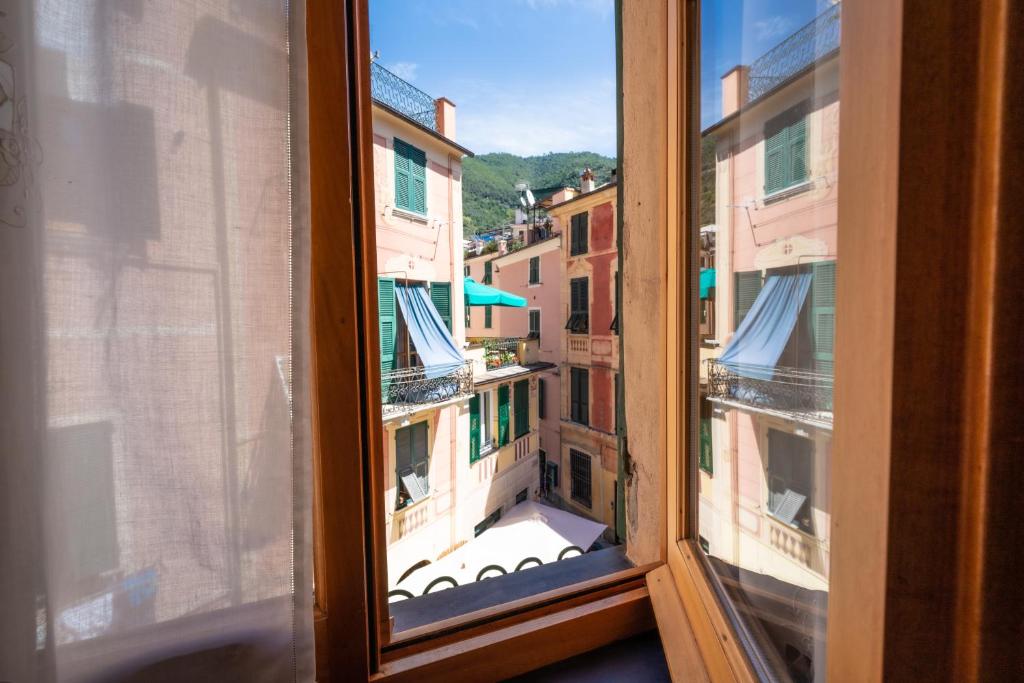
(707, 281)
(434, 344)
(761, 338)
(482, 295)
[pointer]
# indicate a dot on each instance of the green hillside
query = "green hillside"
(489, 195)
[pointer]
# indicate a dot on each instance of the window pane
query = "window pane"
(764, 315)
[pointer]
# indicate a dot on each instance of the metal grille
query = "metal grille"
(579, 466)
(814, 41)
(409, 387)
(501, 352)
(403, 97)
(789, 390)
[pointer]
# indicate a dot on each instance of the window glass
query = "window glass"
(763, 308)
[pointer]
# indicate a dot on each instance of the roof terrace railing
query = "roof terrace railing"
(814, 41)
(800, 393)
(402, 96)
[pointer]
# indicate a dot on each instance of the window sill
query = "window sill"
(420, 218)
(409, 506)
(788, 192)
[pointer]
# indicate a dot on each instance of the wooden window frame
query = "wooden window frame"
(899, 64)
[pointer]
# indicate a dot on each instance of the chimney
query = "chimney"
(735, 85)
(587, 181)
(444, 112)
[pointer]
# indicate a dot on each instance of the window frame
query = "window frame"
(533, 277)
(579, 233)
(870, 620)
(577, 455)
(579, 407)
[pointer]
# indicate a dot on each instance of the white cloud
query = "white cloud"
(577, 117)
(772, 27)
(602, 7)
(404, 70)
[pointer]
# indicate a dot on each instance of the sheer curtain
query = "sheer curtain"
(154, 426)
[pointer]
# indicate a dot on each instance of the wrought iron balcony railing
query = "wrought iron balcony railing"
(787, 390)
(501, 352)
(402, 96)
(809, 44)
(410, 387)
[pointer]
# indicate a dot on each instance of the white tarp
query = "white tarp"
(529, 529)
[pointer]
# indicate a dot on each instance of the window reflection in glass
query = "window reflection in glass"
(768, 189)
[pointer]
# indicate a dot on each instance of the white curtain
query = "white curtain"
(154, 419)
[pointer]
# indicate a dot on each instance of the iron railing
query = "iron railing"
(814, 41)
(788, 390)
(402, 96)
(501, 352)
(409, 387)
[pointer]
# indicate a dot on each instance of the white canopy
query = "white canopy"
(529, 529)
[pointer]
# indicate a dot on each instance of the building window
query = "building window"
(488, 272)
(578, 234)
(534, 323)
(579, 395)
(748, 286)
(410, 177)
(522, 496)
(579, 306)
(705, 457)
(487, 523)
(785, 150)
(534, 270)
(615, 321)
(465, 271)
(790, 479)
(551, 475)
(441, 297)
(521, 398)
(540, 399)
(487, 317)
(468, 318)
(480, 443)
(579, 469)
(503, 415)
(412, 458)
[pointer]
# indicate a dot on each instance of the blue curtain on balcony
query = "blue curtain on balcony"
(761, 338)
(434, 344)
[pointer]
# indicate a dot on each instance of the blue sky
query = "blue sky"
(536, 76)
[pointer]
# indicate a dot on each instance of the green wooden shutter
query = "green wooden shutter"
(403, 175)
(487, 316)
(748, 286)
(468, 320)
(534, 270)
(706, 460)
(388, 325)
(584, 224)
(474, 428)
(441, 297)
(522, 407)
(585, 396)
(541, 406)
(418, 180)
(488, 271)
(797, 152)
(775, 162)
(823, 314)
(503, 415)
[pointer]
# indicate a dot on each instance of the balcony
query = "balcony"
(790, 392)
(402, 96)
(409, 389)
(813, 42)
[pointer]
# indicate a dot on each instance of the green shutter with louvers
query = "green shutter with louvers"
(823, 314)
(522, 407)
(487, 316)
(748, 286)
(403, 175)
(706, 459)
(503, 415)
(441, 297)
(474, 428)
(388, 325)
(775, 161)
(541, 406)
(418, 181)
(797, 142)
(488, 271)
